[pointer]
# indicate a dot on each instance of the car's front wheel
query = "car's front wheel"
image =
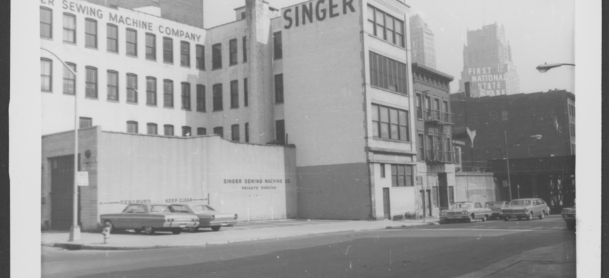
(215, 229)
(530, 216)
(506, 219)
(542, 215)
(484, 218)
(471, 218)
(176, 231)
(148, 230)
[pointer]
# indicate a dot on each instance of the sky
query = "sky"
(539, 31)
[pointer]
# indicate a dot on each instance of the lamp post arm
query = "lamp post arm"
(62, 62)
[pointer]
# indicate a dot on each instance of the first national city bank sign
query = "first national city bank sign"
(94, 12)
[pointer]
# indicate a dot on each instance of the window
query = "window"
(234, 133)
(85, 122)
(219, 131)
(234, 94)
(280, 131)
(131, 88)
(216, 56)
(382, 170)
(167, 93)
(167, 50)
(150, 90)
(401, 175)
(112, 85)
(90, 33)
(91, 82)
(186, 95)
(185, 54)
(504, 115)
(46, 23)
(151, 129)
(69, 79)
(168, 130)
(232, 45)
(131, 127)
(112, 38)
(279, 88)
(200, 57)
(493, 115)
(201, 98)
(494, 137)
(247, 132)
(387, 73)
(434, 194)
(186, 131)
(421, 151)
(245, 93)
(69, 28)
(390, 123)
(572, 129)
(131, 42)
(150, 46)
(201, 131)
(46, 75)
(385, 26)
(277, 46)
(244, 49)
(217, 97)
(419, 107)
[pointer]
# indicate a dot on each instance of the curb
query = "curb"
(80, 246)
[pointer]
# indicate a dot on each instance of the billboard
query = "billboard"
(488, 81)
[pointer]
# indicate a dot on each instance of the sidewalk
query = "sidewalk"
(242, 232)
(546, 262)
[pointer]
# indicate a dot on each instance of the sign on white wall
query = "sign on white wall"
(82, 178)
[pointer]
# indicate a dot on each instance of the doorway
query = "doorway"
(429, 203)
(62, 194)
(386, 204)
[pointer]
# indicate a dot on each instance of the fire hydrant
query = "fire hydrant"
(106, 232)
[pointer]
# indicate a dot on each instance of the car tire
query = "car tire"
(471, 218)
(149, 230)
(215, 229)
(484, 218)
(193, 229)
(506, 219)
(137, 231)
(530, 216)
(542, 215)
(176, 231)
(109, 223)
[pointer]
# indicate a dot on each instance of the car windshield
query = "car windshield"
(181, 209)
(160, 208)
(199, 208)
(520, 203)
(462, 205)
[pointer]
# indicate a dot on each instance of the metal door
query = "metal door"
(443, 182)
(423, 201)
(62, 196)
(386, 204)
(429, 202)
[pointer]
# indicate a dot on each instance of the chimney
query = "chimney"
(467, 92)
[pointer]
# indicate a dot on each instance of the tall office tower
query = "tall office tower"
(423, 43)
(487, 63)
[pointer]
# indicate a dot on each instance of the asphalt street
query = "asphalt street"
(447, 250)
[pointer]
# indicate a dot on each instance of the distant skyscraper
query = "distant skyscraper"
(423, 43)
(487, 63)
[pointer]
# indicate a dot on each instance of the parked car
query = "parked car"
(568, 214)
(468, 211)
(526, 208)
(496, 208)
(208, 217)
(149, 218)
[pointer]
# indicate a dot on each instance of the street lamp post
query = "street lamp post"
(545, 67)
(75, 229)
(507, 159)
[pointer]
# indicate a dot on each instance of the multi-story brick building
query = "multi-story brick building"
(515, 121)
(330, 77)
(487, 63)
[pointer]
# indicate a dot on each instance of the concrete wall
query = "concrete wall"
(254, 181)
(184, 11)
(478, 187)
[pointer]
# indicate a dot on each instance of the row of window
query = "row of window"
(388, 74)
(131, 41)
(437, 106)
(431, 146)
(168, 130)
(390, 123)
(385, 26)
(401, 175)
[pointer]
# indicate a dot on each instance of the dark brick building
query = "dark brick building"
(184, 11)
(515, 119)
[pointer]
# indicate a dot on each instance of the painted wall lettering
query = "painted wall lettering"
(293, 15)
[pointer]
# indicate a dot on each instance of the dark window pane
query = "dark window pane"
(277, 46)
(167, 50)
(131, 42)
(217, 56)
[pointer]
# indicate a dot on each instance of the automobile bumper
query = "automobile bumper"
(454, 217)
(180, 224)
(219, 223)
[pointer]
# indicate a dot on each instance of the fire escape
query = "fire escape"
(438, 148)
